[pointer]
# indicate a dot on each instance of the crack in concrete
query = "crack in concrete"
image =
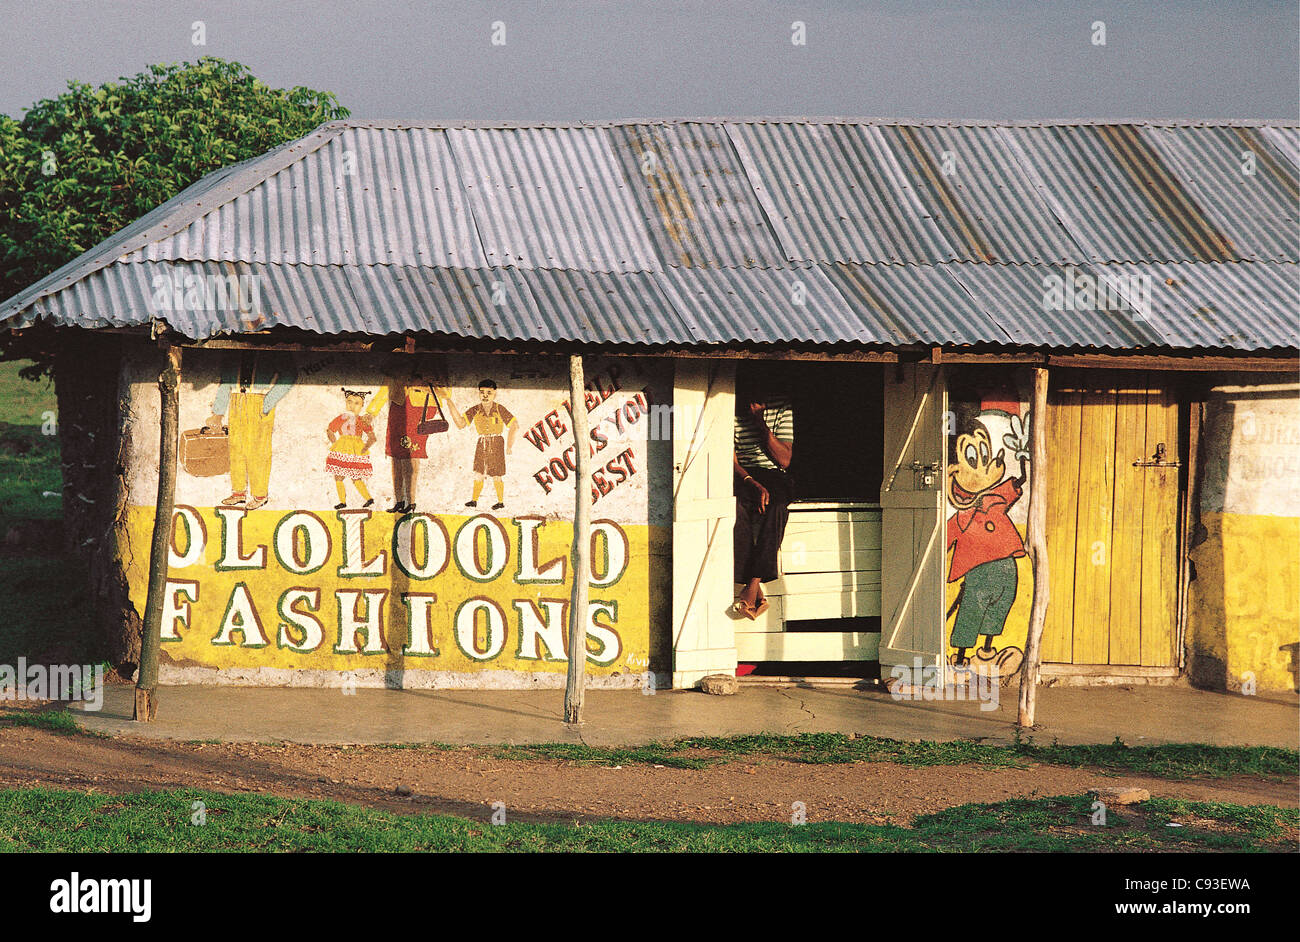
(802, 706)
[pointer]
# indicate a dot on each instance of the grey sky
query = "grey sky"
(600, 60)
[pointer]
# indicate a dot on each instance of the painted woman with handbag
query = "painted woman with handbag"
(414, 413)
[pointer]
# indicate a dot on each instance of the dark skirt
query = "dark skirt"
(758, 535)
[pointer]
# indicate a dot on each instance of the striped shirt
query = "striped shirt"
(778, 416)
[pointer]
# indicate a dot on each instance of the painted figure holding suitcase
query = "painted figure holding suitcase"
(251, 387)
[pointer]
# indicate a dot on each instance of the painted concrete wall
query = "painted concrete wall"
(298, 590)
(987, 479)
(1244, 602)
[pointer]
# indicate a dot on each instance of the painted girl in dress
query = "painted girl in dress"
(350, 434)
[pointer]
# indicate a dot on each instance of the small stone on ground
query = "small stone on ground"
(719, 684)
(1121, 794)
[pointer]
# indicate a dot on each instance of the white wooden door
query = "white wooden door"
(912, 525)
(704, 513)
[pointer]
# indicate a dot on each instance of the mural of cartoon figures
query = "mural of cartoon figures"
(985, 542)
(490, 419)
(251, 386)
(413, 414)
(350, 436)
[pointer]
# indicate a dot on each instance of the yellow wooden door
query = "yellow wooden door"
(1112, 517)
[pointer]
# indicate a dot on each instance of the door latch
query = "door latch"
(926, 473)
(1158, 461)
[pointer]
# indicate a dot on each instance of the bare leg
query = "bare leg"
(401, 482)
(410, 488)
(478, 489)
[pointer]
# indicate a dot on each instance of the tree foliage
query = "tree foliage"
(79, 167)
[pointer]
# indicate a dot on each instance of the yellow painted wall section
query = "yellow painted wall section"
(283, 589)
(1244, 602)
(1244, 605)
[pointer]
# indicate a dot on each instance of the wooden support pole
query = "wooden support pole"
(146, 703)
(1036, 541)
(574, 687)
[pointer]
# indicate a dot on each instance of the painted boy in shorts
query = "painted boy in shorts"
(491, 420)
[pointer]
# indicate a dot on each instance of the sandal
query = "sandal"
(759, 609)
(740, 610)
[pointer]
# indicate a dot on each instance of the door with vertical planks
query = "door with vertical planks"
(1112, 514)
(911, 507)
(704, 515)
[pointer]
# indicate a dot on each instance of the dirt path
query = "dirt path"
(468, 780)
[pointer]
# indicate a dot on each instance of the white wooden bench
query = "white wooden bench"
(830, 568)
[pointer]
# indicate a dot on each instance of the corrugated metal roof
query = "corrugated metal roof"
(1243, 184)
(621, 308)
(552, 198)
(972, 184)
(697, 201)
(726, 305)
(1027, 303)
(887, 297)
(1244, 307)
(837, 193)
(723, 231)
(1115, 197)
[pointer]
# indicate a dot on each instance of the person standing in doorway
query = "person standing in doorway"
(764, 448)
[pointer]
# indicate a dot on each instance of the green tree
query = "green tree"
(79, 167)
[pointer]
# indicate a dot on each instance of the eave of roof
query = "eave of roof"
(778, 230)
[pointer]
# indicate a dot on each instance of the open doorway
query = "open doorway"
(824, 608)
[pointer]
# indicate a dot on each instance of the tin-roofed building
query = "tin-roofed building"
(376, 447)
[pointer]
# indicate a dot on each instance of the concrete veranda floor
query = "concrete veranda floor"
(1138, 715)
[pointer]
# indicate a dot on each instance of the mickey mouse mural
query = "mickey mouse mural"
(988, 467)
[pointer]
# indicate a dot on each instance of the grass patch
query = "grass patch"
(1066, 824)
(1261, 822)
(46, 610)
(29, 460)
(44, 599)
(1178, 761)
(1173, 761)
(50, 820)
(55, 720)
(26, 401)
